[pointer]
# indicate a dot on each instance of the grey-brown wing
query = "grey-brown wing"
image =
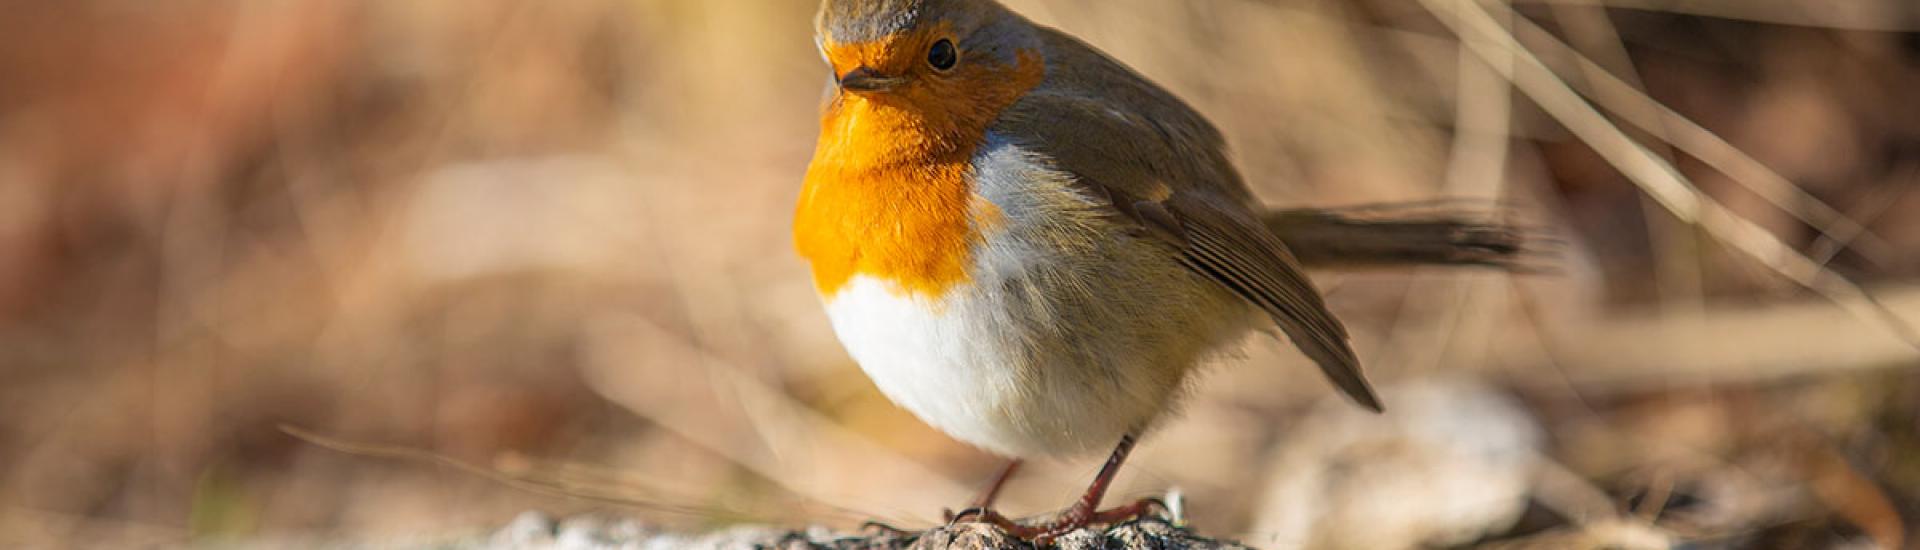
(1225, 243)
(1169, 175)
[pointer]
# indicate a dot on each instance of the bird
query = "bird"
(1033, 248)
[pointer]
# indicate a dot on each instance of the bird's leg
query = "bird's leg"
(999, 482)
(1084, 512)
(991, 494)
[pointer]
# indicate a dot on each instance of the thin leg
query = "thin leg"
(999, 482)
(1084, 512)
(988, 495)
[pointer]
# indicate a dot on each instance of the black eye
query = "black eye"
(943, 56)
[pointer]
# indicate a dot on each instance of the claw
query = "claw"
(1079, 517)
(954, 518)
(990, 517)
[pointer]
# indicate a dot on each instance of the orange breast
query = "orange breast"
(888, 193)
(906, 222)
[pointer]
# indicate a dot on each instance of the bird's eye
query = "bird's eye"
(943, 56)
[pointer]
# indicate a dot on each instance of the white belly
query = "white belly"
(962, 375)
(988, 371)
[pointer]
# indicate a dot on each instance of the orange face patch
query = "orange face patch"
(888, 194)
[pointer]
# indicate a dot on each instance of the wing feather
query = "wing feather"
(1164, 167)
(1242, 255)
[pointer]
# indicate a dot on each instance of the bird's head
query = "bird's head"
(951, 64)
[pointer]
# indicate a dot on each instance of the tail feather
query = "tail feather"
(1399, 235)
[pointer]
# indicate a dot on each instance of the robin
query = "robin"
(1031, 246)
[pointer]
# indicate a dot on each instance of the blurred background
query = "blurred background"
(503, 256)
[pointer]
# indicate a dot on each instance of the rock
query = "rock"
(1448, 463)
(534, 530)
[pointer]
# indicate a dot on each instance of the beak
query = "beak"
(867, 80)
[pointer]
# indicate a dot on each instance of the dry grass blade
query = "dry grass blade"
(1561, 489)
(15, 520)
(1864, 15)
(1723, 345)
(1879, 202)
(643, 368)
(1851, 493)
(1679, 267)
(533, 483)
(1484, 114)
(1628, 102)
(1658, 178)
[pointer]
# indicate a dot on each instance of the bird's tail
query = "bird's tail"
(1404, 234)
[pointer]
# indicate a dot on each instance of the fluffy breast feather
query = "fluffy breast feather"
(1069, 333)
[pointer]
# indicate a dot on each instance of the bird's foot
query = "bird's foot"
(1078, 517)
